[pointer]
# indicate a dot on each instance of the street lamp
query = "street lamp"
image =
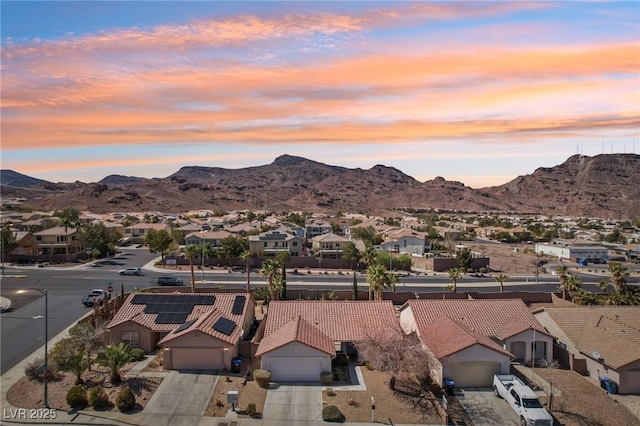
(47, 373)
(202, 267)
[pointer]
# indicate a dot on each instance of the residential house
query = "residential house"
(243, 229)
(24, 240)
(471, 340)
(214, 238)
(313, 228)
(301, 336)
(406, 241)
(329, 246)
(138, 231)
(598, 341)
(199, 331)
(189, 228)
(56, 240)
(270, 243)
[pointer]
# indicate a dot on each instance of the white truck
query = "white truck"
(97, 296)
(522, 399)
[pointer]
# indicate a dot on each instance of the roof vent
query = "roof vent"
(595, 355)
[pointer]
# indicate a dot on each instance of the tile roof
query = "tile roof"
(297, 330)
(342, 320)
(445, 337)
(222, 305)
(204, 324)
(490, 317)
(613, 331)
(56, 230)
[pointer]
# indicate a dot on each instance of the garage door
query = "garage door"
(474, 374)
(196, 359)
(295, 369)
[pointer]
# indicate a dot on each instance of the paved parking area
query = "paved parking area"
(290, 401)
(485, 409)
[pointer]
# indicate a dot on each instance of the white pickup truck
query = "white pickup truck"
(522, 399)
(97, 296)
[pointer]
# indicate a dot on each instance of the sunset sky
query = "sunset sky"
(478, 92)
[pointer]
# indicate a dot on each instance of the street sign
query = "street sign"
(47, 375)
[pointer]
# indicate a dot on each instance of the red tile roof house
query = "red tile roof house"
(301, 337)
(471, 340)
(199, 331)
(598, 341)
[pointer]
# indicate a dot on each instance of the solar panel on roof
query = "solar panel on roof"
(139, 299)
(205, 300)
(184, 326)
(224, 326)
(170, 318)
(238, 305)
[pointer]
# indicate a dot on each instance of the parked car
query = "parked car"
(169, 280)
(96, 296)
(131, 271)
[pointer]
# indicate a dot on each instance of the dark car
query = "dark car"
(169, 281)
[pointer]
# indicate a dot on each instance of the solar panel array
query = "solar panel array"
(238, 305)
(171, 308)
(224, 326)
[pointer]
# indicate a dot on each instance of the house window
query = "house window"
(38, 238)
(265, 244)
(132, 338)
(295, 244)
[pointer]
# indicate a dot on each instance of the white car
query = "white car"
(131, 271)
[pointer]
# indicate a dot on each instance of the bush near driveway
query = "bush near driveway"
(262, 377)
(77, 397)
(333, 414)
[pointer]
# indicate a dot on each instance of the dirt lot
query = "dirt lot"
(27, 393)
(408, 404)
(583, 403)
(505, 259)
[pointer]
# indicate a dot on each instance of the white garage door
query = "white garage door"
(295, 369)
(196, 359)
(474, 374)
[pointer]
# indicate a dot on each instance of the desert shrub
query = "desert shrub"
(137, 354)
(125, 400)
(469, 270)
(326, 377)
(369, 366)
(252, 411)
(483, 270)
(77, 397)
(98, 398)
(330, 392)
(262, 378)
(332, 414)
(33, 370)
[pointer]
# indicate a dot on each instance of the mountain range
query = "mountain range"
(606, 186)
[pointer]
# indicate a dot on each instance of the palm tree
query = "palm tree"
(69, 217)
(573, 284)
(501, 279)
(114, 357)
(563, 276)
(393, 280)
(271, 269)
(192, 252)
(619, 276)
(245, 256)
(454, 276)
(369, 256)
(377, 279)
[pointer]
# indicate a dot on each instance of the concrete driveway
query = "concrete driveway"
(294, 402)
(181, 398)
(485, 409)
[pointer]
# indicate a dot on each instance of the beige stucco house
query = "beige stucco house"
(329, 246)
(297, 351)
(598, 341)
(302, 336)
(56, 240)
(270, 243)
(472, 340)
(198, 331)
(138, 231)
